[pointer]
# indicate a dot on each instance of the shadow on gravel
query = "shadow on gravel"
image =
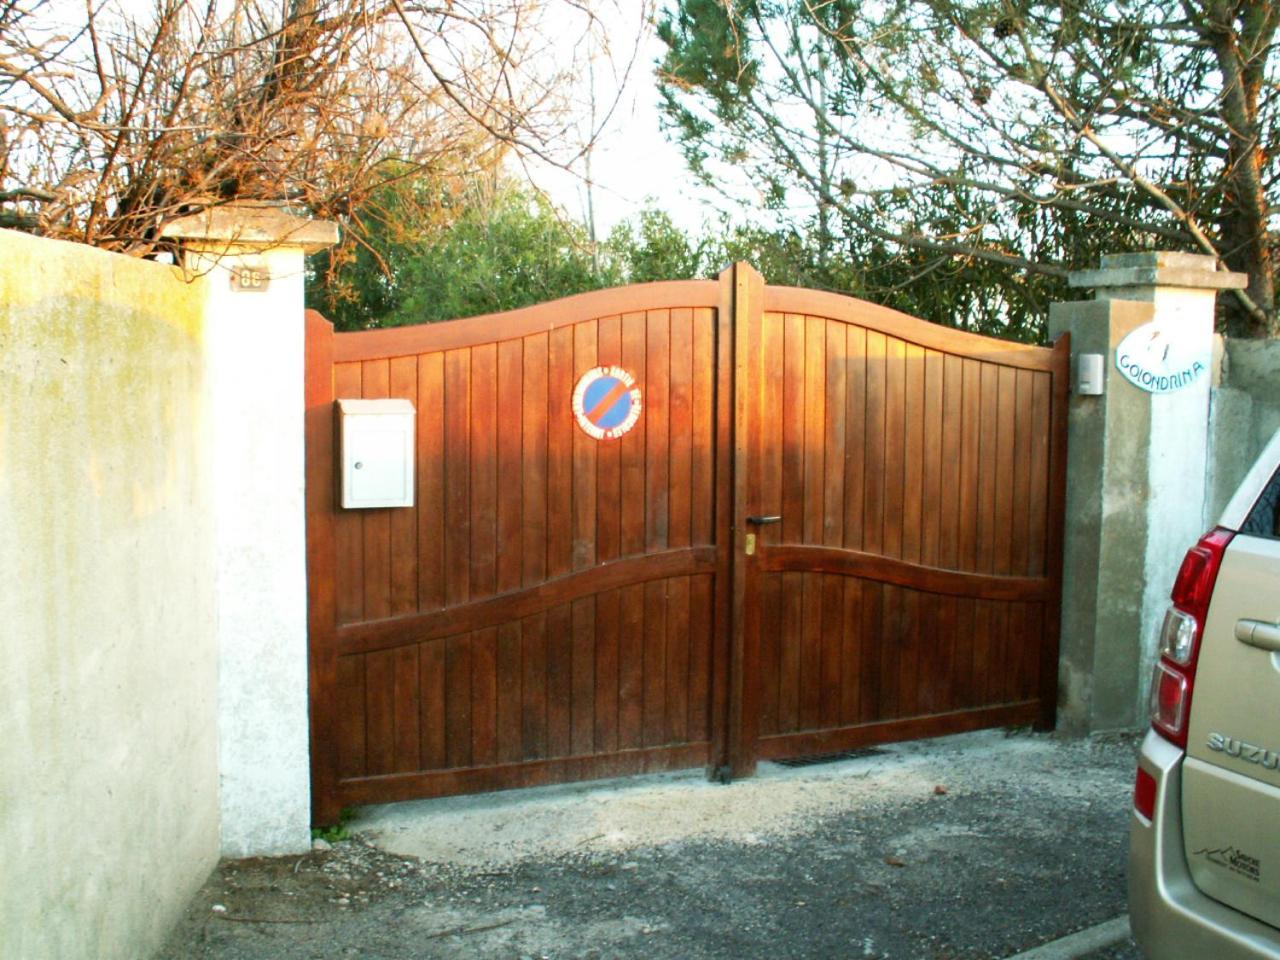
(974, 846)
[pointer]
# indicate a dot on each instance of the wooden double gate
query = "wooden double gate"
(557, 606)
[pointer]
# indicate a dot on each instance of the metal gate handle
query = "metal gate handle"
(1259, 633)
(761, 521)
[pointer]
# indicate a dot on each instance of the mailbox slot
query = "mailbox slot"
(376, 440)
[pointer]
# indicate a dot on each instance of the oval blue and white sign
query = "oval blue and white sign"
(1159, 360)
(606, 402)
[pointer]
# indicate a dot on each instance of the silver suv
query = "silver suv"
(1204, 852)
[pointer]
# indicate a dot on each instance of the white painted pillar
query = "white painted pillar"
(1137, 467)
(254, 257)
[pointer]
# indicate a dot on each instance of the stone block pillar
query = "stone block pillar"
(1137, 462)
(252, 259)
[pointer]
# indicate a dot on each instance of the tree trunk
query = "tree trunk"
(1245, 243)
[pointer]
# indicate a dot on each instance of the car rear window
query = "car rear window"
(1264, 518)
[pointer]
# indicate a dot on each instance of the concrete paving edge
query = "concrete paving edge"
(1079, 943)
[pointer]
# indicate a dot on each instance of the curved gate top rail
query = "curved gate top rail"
(831, 524)
(539, 318)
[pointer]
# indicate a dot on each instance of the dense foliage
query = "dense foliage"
(965, 154)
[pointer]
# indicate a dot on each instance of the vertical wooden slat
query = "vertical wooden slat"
(793, 430)
(931, 502)
(907, 645)
(608, 628)
(851, 652)
(792, 641)
(835, 409)
(769, 479)
(560, 430)
(680, 433)
(609, 457)
(725, 589)
(1040, 480)
(913, 454)
(484, 470)
(407, 710)
(457, 699)
(855, 435)
(632, 445)
(583, 518)
(431, 686)
(771, 639)
(890, 653)
(810, 638)
(656, 416)
(815, 405)
(534, 459)
(988, 467)
(431, 485)
(869, 706)
(948, 641)
(655, 662)
(510, 456)
(700, 619)
(1020, 532)
(560, 681)
(812, 487)
(484, 697)
(350, 707)
(970, 463)
(404, 520)
(894, 444)
(931, 682)
(873, 459)
(631, 662)
(743, 689)
(375, 378)
(348, 525)
(583, 709)
(1006, 446)
(702, 507)
(832, 641)
(510, 694)
(964, 658)
(457, 478)
(533, 686)
(677, 680)
(380, 712)
(949, 484)
(322, 667)
(983, 664)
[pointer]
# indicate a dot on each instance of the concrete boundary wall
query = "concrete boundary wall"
(108, 735)
(1244, 414)
(153, 709)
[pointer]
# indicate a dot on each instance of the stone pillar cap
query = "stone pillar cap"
(255, 224)
(1159, 269)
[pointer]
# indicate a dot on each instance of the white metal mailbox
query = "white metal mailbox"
(376, 438)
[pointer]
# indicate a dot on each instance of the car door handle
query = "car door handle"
(1259, 633)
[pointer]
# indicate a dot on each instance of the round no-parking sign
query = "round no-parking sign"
(606, 402)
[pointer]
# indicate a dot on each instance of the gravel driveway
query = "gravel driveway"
(974, 846)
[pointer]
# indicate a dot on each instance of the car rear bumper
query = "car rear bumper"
(1170, 917)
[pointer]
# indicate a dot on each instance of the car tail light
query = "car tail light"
(1144, 794)
(1175, 672)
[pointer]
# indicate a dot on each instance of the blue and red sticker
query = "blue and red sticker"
(606, 402)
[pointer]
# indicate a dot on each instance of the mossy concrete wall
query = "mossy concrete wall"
(1245, 415)
(108, 714)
